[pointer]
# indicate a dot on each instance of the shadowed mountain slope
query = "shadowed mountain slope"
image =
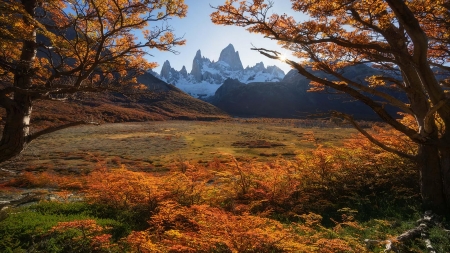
(290, 97)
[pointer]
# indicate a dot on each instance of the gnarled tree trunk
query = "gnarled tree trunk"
(16, 129)
(445, 174)
(434, 183)
(18, 107)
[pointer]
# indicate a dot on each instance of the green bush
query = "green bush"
(28, 228)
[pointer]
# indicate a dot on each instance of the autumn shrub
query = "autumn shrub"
(202, 228)
(375, 183)
(77, 236)
(124, 195)
(317, 201)
(192, 184)
(76, 227)
(371, 182)
(357, 175)
(46, 179)
(124, 189)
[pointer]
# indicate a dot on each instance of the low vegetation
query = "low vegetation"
(333, 195)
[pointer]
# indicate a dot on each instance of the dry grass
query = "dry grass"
(150, 146)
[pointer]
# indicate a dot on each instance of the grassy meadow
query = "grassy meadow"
(240, 185)
(152, 145)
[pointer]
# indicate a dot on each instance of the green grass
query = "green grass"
(23, 226)
(28, 228)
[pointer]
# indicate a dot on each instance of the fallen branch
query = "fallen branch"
(428, 221)
(26, 198)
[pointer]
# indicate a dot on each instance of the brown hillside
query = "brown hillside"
(160, 102)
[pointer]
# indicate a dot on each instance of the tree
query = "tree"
(408, 40)
(53, 49)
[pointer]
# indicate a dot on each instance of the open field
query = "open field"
(190, 186)
(152, 145)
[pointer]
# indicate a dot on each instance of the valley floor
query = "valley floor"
(155, 144)
(241, 185)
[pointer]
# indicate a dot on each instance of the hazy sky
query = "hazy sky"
(202, 34)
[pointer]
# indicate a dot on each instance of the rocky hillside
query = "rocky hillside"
(161, 101)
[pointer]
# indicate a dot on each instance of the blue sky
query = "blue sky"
(202, 34)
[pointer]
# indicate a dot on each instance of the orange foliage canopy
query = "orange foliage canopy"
(92, 235)
(201, 228)
(84, 43)
(408, 41)
(343, 33)
(53, 49)
(346, 33)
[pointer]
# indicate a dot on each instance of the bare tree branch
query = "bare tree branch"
(371, 138)
(57, 128)
(429, 118)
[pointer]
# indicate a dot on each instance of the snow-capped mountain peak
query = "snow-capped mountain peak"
(206, 76)
(231, 57)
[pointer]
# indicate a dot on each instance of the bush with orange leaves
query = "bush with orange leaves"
(237, 206)
(79, 236)
(357, 175)
(201, 228)
(191, 184)
(124, 189)
(49, 179)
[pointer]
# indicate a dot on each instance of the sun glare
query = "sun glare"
(282, 58)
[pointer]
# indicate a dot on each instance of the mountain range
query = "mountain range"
(261, 91)
(290, 98)
(206, 76)
(229, 88)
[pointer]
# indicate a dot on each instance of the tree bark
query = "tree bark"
(445, 174)
(19, 105)
(435, 192)
(428, 221)
(16, 129)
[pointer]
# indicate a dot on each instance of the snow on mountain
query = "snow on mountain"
(207, 76)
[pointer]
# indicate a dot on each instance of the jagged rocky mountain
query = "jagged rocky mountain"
(206, 76)
(261, 91)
